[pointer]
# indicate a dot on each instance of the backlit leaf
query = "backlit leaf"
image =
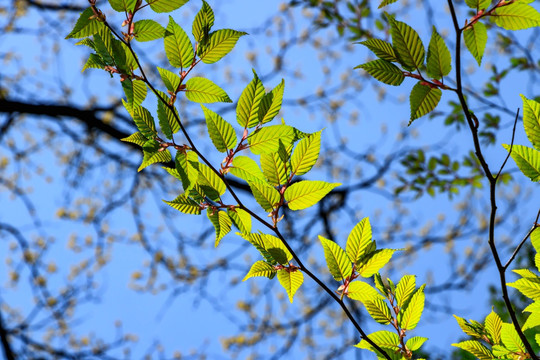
(123, 5)
(220, 131)
(247, 169)
(219, 44)
(361, 291)
(407, 45)
(264, 194)
(241, 219)
(85, 26)
(475, 39)
(187, 171)
(438, 57)
(516, 16)
(475, 348)
(154, 153)
(94, 62)
(184, 204)
(383, 71)
(423, 99)
(382, 49)
(170, 79)
(337, 261)
(178, 47)
(207, 177)
(511, 339)
(370, 265)
(202, 90)
(415, 342)
(528, 286)
(405, 289)
(147, 30)
(162, 6)
(261, 268)
(304, 194)
(274, 167)
(409, 318)
(145, 122)
(136, 138)
(167, 118)
(222, 223)
(271, 103)
(493, 326)
(478, 4)
(247, 110)
(531, 121)
(204, 20)
(266, 139)
(358, 240)
(379, 311)
(305, 154)
(291, 281)
(527, 160)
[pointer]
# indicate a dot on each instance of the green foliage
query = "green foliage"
(222, 223)
(439, 61)
(147, 30)
(423, 99)
(383, 71)
(178, 47)
(304, 194)
(162, 6)
(407, 44)
(247, 110)
(220, 131)
(475, 37)
(86, 25)
(202, 90)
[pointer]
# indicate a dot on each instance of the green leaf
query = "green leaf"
(493, 326)
(220, 131)
(373, 262)
(383, 338)
(204, 20)
(531, 121)
(203, 90)
(361, 291)
(167, 118)
(380, 285)
(148, 30)
(528, 286)
(184, 166)
(154, 153)
(415, 343)
(145, 122)
(261, 268)
(219, 44)
(534, 318)
(468, 328)
(409, 318)
(386, 2)
(266, 139)
(476, 39)
(306, 154)
(247, 110)
(241, 219)
(85, 26)
(162, 6)
(264, 242)
(405, 289)
(337, 260)
(184, 204)
(423, 100)
(221, 221)
(136, 138)
(537, 338)
(407, 45)
(383, 71)
(123, 5)
(478, 4)
(535, 239)
(170, 79)
(247, 169)
(291, 281)
(358, 240)
(178, 47)
(439, 61)
(103, 45)
(135, 91)
(304, 194)
(264, 194)
(93, 62)
(271, 103)
(527, 160)
(511, 339)
(207, 177)
(475, 348)
(516, 16)
(382, 49)
(274, 166)
(379, 311)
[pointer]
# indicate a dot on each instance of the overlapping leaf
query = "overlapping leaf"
(407, 45)
(261, 268)
(373, 262)
(476, 348)
(423, 99)
(306, 154)
(202, 90)
(382, 49)
(264, 194)
(241, 219)
(220, 131)
(247, 110)
(383, 71)
(219, 44)
(410, 316)
(527, 159)
(144, 122)
(511, 339)
(168, 119)
(94, 62)
(187, 171)
(379, 311)
(178, 47)
(222, 223)
(271, 103)
(135, 91)
(136, 138)
(387, 340)
(304, 194)
(85, 26)
(123, 5)
(405, 289)
(493, 326)
(337, 261)
(358, 240)
(476, 39)
(266, 139)
(204, 20)
(207, 177)
(528, 285)
(274, 166)
(184, 204)
(531, 121)
(291, 281)
(154, 153)
(247, 169)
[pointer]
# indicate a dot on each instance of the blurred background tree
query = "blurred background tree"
(84, 278)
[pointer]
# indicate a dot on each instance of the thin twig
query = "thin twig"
(514, 254)
(511, 146)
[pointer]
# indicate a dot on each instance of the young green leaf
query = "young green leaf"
(94, 62)
(476, 348)
(220, 131)
(261, 268)
(468, 328)
(154, 153)
(511, 339)
(247, 110)
(423, 100)
(516, 16)
(415, 343)
(163, 6)
(306, 154)
(144, 121)
(170, 79)
(202, 90)
(534, 318)
(219, 44)
(382, 49)
(178, 47)
(184, 166)
(86, 25)
(147, 30)
(377, 279)
(222, 223)
(361, 291)
(264, 194)
(184, 204)
(475, 39)
(123, 5)
(135, 91)
(241, 219)
(266, 139)
(478, 4)
(527, 160)
(379, 311)
(207, 177)
(531, 121)
(304, 194)
(405, 289)
(291, 281)
(337, 260)
(103, 44)
(264, 242)
(373, 262)
(387, 340)
(409, 317)
(271, 103)
(167, 118)
(247, 169)
(358, 240)
(383, 71)
(528, 285)
(274, 166)
(439, 61)
(386, 2)
(204, 20)
(407, 44)
(493, 326)
(136, 138)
